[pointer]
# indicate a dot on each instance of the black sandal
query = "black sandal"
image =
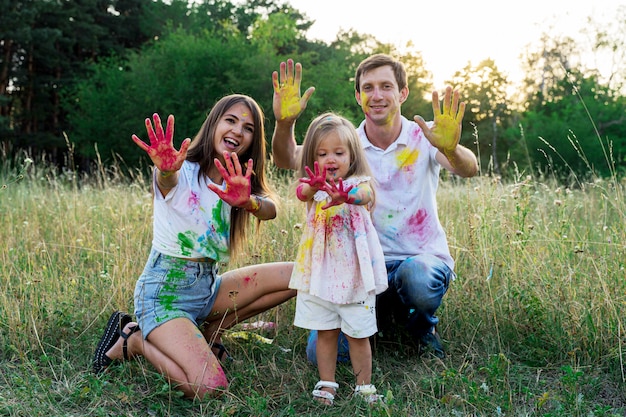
(222, 353)
(113, 331)
(125, 336)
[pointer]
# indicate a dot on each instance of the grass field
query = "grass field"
(533, 325)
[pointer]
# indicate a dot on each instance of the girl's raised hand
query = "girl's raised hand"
(161, 149)
(339, 194)
(317, 179)
(237, 190)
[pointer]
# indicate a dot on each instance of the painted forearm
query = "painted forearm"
(166, 180)
(361, 195)
(305, 192)
(463, 161)
(263, 208)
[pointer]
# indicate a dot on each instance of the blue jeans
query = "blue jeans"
(416, 289)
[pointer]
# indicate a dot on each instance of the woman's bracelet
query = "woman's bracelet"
(163, 177)
(257, 202)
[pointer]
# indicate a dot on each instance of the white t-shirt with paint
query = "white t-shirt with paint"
(191, 221)
(406, 179)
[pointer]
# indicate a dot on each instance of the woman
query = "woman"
(203, 198)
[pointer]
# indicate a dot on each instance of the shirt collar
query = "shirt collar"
(400, 140)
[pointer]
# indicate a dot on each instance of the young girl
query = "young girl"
(203, 198)
(340, 266)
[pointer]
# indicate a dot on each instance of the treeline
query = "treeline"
(77, 78)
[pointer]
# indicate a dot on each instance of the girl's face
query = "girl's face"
(234, 131)
(333, 155)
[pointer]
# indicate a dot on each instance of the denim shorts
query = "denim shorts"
(171, 288)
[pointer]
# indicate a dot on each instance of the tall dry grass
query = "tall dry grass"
(533, 324)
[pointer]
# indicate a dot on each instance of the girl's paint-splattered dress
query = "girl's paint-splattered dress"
(340, 259)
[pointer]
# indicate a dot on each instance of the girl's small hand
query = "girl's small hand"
(317, 179)
(161, 149)
(237, 190)
(339, 194)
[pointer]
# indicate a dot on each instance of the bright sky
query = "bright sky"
(451, 33)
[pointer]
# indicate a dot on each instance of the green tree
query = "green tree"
(484, 90)
(46, 48)
(576, 132)
(16, 21)
(180, 74)
(185, 71)
(572, 123)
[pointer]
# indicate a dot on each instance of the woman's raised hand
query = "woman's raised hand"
(237, 190)
(161, 149)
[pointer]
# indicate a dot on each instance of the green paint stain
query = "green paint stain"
(186, 244)
(220, 225)
(167, 301)
(169, 293)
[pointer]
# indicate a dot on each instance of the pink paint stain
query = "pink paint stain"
(218, 379)
(169, 160)
(194, 200)
(391, 182)
(357, 221)
(232, 194)
(235, 196)
(418, 222)
(416, 135)
(249, 280)
(334, 223)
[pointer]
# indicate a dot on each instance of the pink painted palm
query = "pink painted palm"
(317, 178)
(161, 149)
(237, 190)
(339, 194)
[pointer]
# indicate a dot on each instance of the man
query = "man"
(405, 158)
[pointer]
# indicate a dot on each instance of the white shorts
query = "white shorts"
(357, 320)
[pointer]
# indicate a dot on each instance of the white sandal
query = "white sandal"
(319, 393)
(368, 393)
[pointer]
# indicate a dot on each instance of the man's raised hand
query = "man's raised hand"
(288, 104)
(446, 130)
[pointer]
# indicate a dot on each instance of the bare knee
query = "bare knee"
(212, 386)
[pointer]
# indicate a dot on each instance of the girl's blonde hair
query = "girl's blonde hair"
(202, 151)
(319, 128)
